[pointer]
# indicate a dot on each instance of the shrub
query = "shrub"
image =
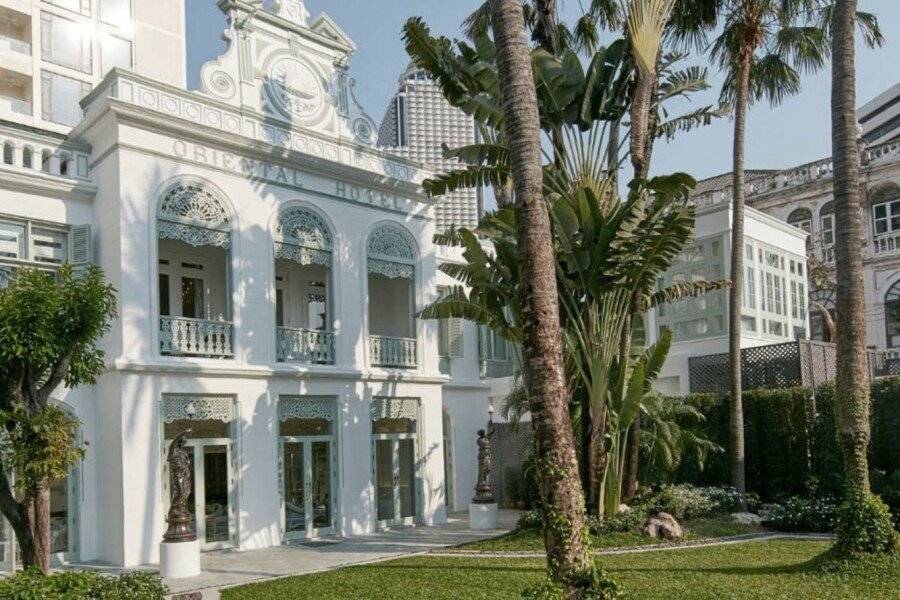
(887, 486)
(815, 515)
(623, 522)
(531, 519)
(82, 585)
(864, 526)
(686, 501)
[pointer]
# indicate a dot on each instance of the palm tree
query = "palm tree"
(566, 544)
(763, 47)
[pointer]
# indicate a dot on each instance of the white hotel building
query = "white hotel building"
(269, 260)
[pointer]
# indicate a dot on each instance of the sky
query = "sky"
(796, 132)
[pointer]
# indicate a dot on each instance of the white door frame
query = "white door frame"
(395, 438)
(306, 442)
(197, 446)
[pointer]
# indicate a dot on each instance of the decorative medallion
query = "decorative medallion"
(363, 130)
(295, 88)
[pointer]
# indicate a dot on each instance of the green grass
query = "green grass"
(533, 541)
(767, 570)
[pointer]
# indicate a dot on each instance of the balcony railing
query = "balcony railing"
(180, 336)
(397, 353)
(493, 368)
(304, 345)
(19, 46)
(886, 244)
(884, 362)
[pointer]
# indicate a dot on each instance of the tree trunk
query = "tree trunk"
(41, 526)
(561, 494)
(632, 461)
(19, 519)
(736, 424)
(852, 387)
(640, 121)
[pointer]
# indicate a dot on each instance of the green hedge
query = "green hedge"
(792, 449)
(82, 585)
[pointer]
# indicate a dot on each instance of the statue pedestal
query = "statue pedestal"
(482, 516)
(178, 560)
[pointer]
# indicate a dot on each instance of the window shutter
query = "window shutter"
(444, 338)
(80, 254)
(455, 335)
(482, 343)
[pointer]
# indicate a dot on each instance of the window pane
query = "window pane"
(63, 43)
(73, 5)
(114, 52)
(192, 298)
(12, 240)
(115, 12)
(881, 211)
(60, 98)
(48, 246)
(164, 307)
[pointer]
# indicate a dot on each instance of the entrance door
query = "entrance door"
(211, 502)
(395, 478)
(63, 518)
(308, 486)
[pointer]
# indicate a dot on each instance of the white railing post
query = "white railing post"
(181, 336)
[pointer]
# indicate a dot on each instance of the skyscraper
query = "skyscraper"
(417, 122)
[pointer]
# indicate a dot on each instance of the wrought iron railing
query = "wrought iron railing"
(180, 336)
(304, 345)
(398, 353)
(884, 362)
(496, 368)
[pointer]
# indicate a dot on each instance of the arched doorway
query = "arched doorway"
(892, 315)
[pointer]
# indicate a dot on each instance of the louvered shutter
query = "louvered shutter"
(455, 337)
(80, 246)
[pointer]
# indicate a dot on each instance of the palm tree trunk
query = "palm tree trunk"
(852, 388)
(561, 494)
(640, 121)
(736, 424)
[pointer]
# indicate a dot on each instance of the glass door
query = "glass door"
(211, 500)
(7, 547)
(395, 478)
(307, 486)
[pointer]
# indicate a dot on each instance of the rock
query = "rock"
(746, 518)
(624, 508)
(664, 526)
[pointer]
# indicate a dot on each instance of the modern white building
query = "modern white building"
(270, 261)
(417, 123)
(774, 307)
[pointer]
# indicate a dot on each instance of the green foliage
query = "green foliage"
(798, 513)
(82, 585)
(686, 501)
(48, 324)
(593, 585)
(39, 447)
(864, 526)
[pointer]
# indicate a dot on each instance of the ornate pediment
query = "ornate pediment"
(290, 68)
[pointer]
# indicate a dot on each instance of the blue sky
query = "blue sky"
(798, 131)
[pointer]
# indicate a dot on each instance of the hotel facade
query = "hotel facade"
(270, 261)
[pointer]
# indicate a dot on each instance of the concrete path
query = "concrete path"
(230, 568)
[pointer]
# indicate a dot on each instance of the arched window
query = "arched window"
(826, 222)
(801, 218)
(391, 260)
(8, 153)
(819, 300)
(193, 224)
(391, 253)
(892, 315)
(27, 157)
(302, 236)
(191, 213)
(303, 313)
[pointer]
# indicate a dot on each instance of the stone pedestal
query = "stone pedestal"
(482, 516)
(178, 560)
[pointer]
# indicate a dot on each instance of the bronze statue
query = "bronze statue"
(180, 488)
(484, 493)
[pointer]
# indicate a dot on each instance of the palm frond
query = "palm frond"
(688, 121)
(472, 176)
(806, 47)
(647, 21)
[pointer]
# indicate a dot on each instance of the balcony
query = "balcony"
(391, 352)
(14, 105)
(11, 44)
(304, 345)
(887, 244)
(181, 336)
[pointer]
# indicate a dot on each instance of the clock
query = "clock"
(295, 89)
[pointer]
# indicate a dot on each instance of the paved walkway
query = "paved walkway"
(229, 568)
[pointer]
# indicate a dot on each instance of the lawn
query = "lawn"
(531, 540)
(755, 570)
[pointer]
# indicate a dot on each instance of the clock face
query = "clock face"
(295, 89)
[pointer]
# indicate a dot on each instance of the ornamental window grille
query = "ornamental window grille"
(303, 237)
(394, 408)
(179, 410)
(191, 213)
(306, 407)
(391, 253)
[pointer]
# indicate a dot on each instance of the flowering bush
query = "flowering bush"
(815, 515)
(531, 519)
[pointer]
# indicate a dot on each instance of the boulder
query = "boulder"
(746, 518)
(663, 526)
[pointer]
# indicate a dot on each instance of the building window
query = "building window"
(886, 217)
(892, 315)
(27, 244)
(801, 218)
(78, 6)
(115, 12)
(64, 43)
(114, 52)
(826, 218)
(60, 97)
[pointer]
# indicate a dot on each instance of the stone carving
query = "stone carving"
(484, 493)
(180, 488)
(292, 10)
(295, 88)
